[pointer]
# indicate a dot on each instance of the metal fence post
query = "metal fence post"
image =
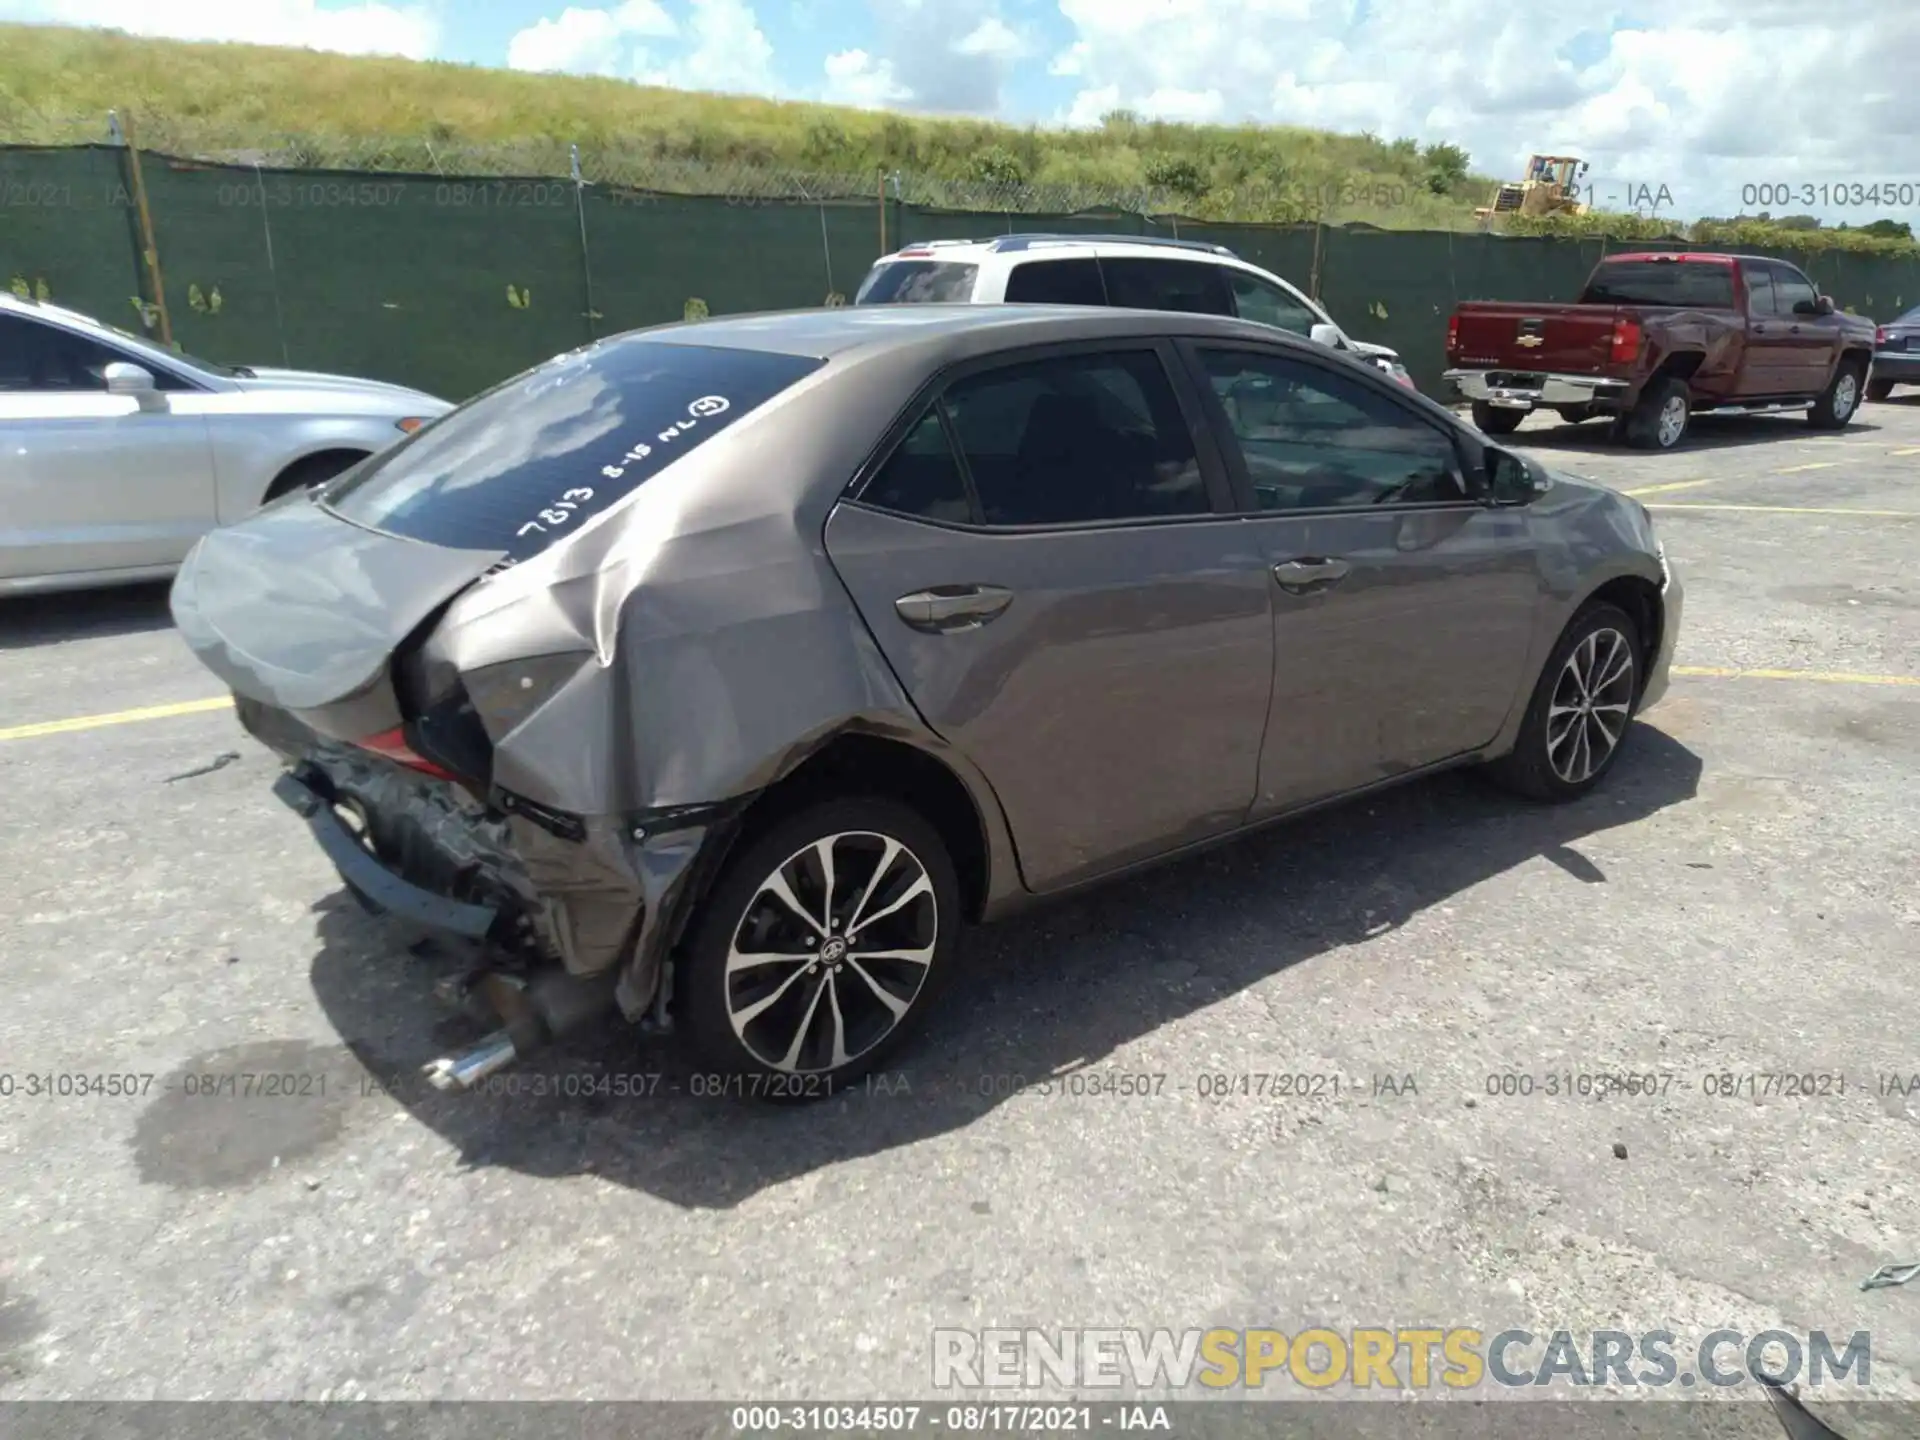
(273, 270)
(586, 262)
(122, 134)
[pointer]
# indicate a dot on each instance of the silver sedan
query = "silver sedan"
(117, 455)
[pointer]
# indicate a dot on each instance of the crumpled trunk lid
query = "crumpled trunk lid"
(299, 610)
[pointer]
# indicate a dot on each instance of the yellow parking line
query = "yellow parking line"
(1817, 465)
(118, 717)
(1790, 510)
(1825, 677)
(1676, 485)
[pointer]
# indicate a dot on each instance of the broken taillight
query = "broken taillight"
(393, 745)
(1626, 340)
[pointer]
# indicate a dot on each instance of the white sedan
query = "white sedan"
(116, 454)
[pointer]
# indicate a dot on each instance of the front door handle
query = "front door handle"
(952, 607)
(1301, 577)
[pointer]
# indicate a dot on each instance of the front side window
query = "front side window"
(1792, 289)
(1056, 282)
(917, 282)
(1188, 286)
(47, 359)
(1313, 440)
(1077, 439)
(1268, 304)
(529, 462)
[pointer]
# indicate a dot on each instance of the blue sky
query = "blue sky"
(1703, 102)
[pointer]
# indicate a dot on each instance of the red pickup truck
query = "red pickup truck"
(1656, 338)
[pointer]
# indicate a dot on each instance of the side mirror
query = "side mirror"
(1510, 478)
(125, 378)
(1824, 306)
(1328, 335)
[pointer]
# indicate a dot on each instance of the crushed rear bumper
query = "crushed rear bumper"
(307, 793)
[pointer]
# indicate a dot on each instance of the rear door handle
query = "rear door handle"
(1299, 577)
(952, 607)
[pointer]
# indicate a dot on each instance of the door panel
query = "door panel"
(1115, 703)
(1769, 365)
(1403, 609)
(90, 481)
(1414, 656)
(1810, 343)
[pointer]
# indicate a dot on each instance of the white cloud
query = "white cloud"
(372, 28)
(992, 37)
(589, 42)
(730, 53)
(856, 78)
(1701, 99)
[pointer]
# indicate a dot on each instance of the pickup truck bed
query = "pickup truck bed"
(1655, 339)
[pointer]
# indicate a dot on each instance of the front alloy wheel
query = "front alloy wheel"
(820, 944)
(1592, 702)
(1577, 719)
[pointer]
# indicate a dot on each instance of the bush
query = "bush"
(1178, 174)
(997, 165)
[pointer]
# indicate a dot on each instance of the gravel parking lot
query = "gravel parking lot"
(1739, 901)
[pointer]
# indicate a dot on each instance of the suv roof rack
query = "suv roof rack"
(1027, 242)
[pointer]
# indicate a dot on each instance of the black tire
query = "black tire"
(1647, 426)
(1496, 419)
(1840, 401)
(1577, 414)
(750, 1061)
(1530, 768)
(1879, 390)
(306, 474)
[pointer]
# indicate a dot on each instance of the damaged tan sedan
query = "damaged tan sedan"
(719, 673)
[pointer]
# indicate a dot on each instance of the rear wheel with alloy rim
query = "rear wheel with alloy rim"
(1577, 720)
(1659, 420)
(822, 943)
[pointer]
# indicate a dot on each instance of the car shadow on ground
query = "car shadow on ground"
(27, 621)
(1707, 432)
(1061, 987)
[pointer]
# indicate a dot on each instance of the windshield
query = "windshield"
(532, 460)
(916, 282)
(1912, 317)
(1693, 283)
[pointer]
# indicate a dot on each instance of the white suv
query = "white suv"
(1122, 270)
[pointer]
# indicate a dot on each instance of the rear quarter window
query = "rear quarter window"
(529, 462)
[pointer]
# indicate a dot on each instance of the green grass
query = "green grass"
(335, 111)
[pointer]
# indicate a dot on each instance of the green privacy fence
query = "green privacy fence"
(451, 283)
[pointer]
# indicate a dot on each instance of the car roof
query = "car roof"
(939, 332)
(21, 305)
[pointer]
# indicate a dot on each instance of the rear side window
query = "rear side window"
(1077, 439)
(1056, 282)
(531, 461)
(1189, 286)
(917, 282)
(1760, 297)
(1694, 283)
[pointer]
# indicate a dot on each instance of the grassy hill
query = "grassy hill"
(312, 109)
(58, 83)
